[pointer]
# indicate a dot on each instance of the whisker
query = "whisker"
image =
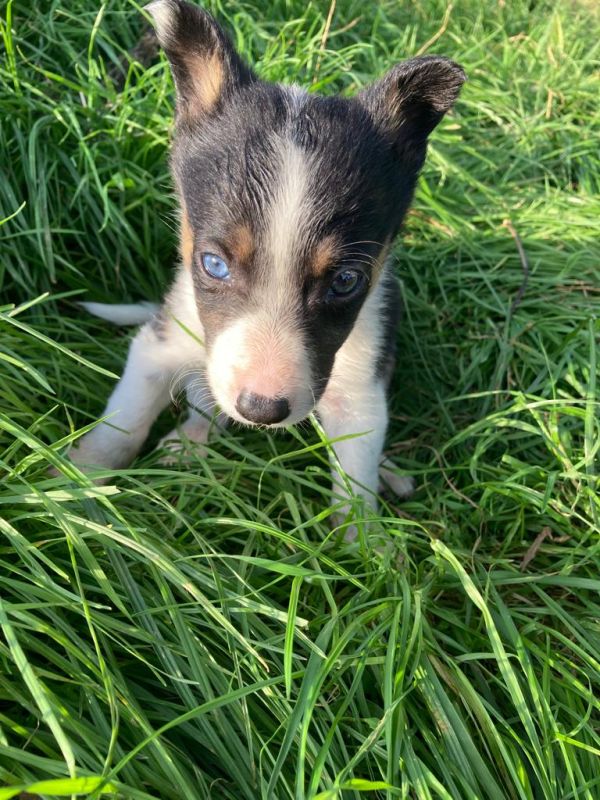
(363, 241)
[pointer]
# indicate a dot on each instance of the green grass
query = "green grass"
(198, 631)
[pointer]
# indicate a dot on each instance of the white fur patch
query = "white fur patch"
(181, 304)
(355, 402)
(288, 216)
(355, 361)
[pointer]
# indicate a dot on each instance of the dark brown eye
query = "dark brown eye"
(346, 283)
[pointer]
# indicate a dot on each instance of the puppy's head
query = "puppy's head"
(289, 203)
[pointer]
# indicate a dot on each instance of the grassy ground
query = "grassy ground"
(197, 631)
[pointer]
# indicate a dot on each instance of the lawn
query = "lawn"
(201, 629)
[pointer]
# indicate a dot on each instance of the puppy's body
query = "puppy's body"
(284, 302)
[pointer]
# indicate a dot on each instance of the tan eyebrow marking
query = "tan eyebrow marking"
(240, 242)
(324, 254)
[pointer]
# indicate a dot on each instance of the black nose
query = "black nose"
(262, 410)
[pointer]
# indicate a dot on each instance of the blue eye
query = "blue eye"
(215, 266)
(346, 283)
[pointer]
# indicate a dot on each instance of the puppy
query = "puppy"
(284, 302)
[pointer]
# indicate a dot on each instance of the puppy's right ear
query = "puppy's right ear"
(205, 66)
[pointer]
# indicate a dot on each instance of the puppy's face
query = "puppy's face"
(289, 204)
(290, 201)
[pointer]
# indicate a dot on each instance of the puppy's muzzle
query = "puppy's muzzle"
(262, 410)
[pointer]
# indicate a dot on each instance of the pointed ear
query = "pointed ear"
(205, 66)
(408, 102)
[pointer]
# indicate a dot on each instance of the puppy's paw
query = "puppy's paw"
(101, 449)
(402, 486)
(86, 462)
(174, 443)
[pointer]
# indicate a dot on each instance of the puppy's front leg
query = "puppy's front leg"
(200, 422)
(363, 412)
(140, 395)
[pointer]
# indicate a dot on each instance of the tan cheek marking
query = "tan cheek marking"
(207, 81)
(241, 244)
(324, 254)
(186, 245)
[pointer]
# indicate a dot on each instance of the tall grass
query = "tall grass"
(201, 630)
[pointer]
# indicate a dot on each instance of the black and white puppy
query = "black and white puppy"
(284, 303)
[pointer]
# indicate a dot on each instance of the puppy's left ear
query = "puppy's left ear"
(205, 65)
(408, 102)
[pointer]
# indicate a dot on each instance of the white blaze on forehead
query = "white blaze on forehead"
(264, 351)
(289, 212)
